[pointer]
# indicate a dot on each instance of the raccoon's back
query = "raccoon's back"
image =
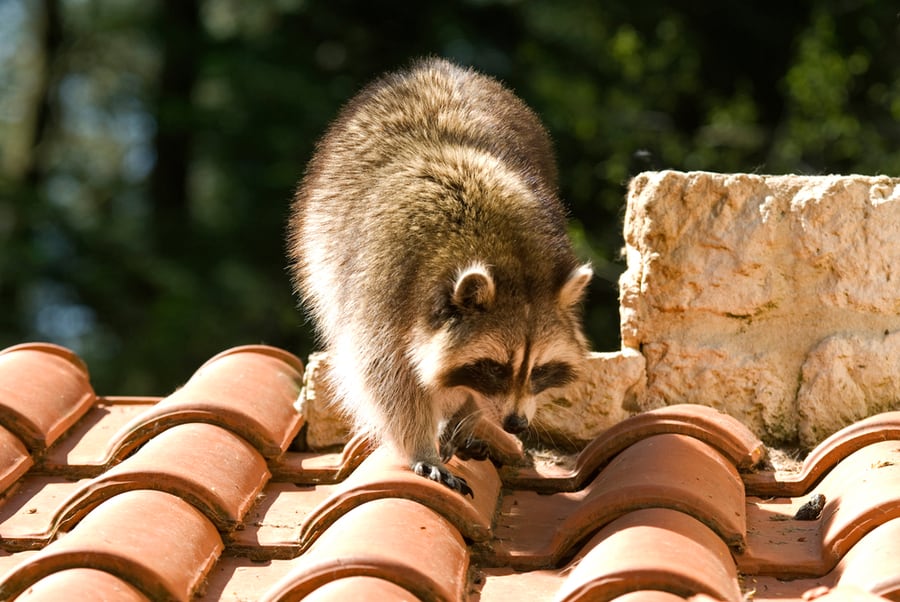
(435, 103)
(406, 182)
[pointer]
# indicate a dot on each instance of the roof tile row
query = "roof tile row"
(198, 495)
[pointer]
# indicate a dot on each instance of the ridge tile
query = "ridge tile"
(82, 584)
(250, 390)
(826, 455)
(724, 433)
(44, 389)
(383, 475)
(652, 549)
(15, 460)
(398, 540)
(210, 467)
(861, 492)
(124, 536)
(667, 471)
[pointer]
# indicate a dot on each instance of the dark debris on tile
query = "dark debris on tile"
(199, 496)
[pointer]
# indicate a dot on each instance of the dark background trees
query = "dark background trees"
(148, 149)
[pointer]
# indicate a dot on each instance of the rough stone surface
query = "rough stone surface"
(326, 425)
(862, 372)
(768, 297)
(610, 385)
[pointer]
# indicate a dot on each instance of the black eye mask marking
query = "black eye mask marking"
(550, 375)
(485, 376)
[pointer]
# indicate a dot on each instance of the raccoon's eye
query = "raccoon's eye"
(485, 376)
(550, 375)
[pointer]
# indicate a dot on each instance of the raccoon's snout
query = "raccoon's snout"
(515, 423)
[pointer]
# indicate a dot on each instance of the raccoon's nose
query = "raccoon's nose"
(515, 423)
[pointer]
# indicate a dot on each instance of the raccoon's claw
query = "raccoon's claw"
(473, 449)
(467, 448)
(443, 476)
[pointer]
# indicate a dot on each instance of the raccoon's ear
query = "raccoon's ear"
(573, 289)
(473, 289)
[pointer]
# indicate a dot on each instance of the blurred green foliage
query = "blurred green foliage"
(149, 149)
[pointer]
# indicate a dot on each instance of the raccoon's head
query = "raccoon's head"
(503, 342)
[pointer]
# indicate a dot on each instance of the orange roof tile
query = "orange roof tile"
(199, 496)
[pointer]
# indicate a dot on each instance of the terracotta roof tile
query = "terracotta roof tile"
(317, 467)
(673, 504)
(82, 584)
(381, 475)
(537, 530)
(86, 451)
(124, 536)
(44, 389)
(360, 588)
(724, 433)
(15, 460)
(850, 511)
(398, 540)
(250, 390)
(844, 593)
(653, 549)
(215, 470)
(826, 455)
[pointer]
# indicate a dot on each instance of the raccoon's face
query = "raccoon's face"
(505, 349)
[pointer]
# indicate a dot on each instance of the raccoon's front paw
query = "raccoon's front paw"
(441, 475)
(466, 447)
(472, 449)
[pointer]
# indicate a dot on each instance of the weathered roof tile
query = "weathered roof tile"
(82, 584)
(653, 549)
(198, 495)
(398, 540)
(156, 541)
(15, 460)
(534, 530)
(381, 475)
(250, 390)
(44, 389)
(213, 469)
(720, 431)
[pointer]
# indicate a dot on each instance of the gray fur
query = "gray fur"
(427, 228)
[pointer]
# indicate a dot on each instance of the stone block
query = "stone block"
(737, 285)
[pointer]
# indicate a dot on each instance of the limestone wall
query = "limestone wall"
(773, 298)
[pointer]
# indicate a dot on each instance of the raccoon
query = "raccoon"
(429, 247)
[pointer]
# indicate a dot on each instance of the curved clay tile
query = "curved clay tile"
(860, 493)
(360, 588)
(44, 389)
(156, 541)
(726, 434)
(250, 390)
(212, 468)
(311, 468)
(841, 593)
(645, 595)
(398, 540)
(664, 471)
(872, 563)
(826, 455)
(381, 475)
(82, 584)
(653, 549)
(14, 459)
(776, 541)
